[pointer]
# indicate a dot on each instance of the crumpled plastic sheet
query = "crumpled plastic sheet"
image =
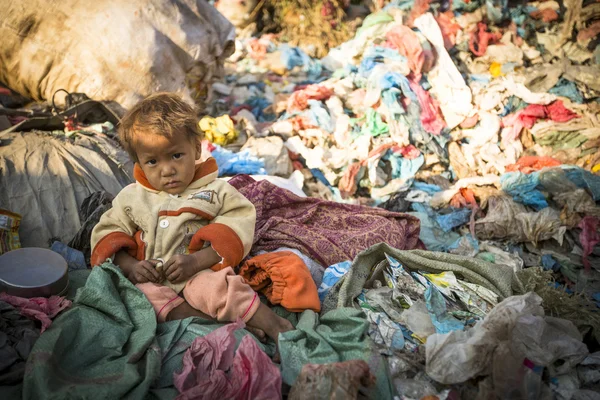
(39, 308)
(517, 321)
(523, 189)
(213, 368)
(586, 180)
(507, 220)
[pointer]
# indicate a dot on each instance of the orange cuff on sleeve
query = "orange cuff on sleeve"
(223, 240)
(110, 244)
(284, 278)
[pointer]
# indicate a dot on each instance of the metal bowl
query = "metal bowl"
(33, 272)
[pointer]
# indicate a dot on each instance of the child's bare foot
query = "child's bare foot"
(258, 333)
(272, 324)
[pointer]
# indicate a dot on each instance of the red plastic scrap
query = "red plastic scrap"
(431, 115)
(470, 122)
(590, 32)
(481, 38)
(348, 184)
(409, 152)
(419, 8)
(449, 28)
(406, 41)
(529, 164)
(588, 237)
(546, 15)
(298, 101)
(528, 116)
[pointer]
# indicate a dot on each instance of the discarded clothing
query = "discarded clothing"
(498, 278)
(116, 317)
(18, 334)
(327, 232)
(589, 237)
(39, 308)
(407, 42)
(284, 279)
(90, 212)
(342, 380)
(213, 368)
(527, 117)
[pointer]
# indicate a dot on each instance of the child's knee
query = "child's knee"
(163, 298)
(222, 295)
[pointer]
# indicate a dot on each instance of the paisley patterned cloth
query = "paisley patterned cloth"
(326, 231)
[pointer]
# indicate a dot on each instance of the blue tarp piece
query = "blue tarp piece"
(523, 189)
(436, 305)
(454, 219)
(231, 163)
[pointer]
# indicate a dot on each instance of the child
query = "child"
(179, 229)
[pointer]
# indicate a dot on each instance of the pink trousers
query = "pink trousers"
(222, 295)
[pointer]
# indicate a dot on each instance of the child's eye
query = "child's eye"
(177, 156)
(151, 162)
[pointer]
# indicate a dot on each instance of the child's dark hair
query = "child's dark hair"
(164, 114)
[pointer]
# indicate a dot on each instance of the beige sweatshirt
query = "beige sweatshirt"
(154, 225)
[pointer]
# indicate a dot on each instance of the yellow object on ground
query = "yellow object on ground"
(220, 130)
(496, 69)
(9, 231)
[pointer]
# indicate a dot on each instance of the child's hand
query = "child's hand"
(145, 271)
(180, 268)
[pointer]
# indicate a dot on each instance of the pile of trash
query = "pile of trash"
(479, 118)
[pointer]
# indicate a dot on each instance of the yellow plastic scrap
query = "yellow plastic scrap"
(596, 168)
(496, 69)
(220, 130)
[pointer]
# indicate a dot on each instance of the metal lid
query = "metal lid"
(33, 272)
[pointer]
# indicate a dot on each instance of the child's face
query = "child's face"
(169, 163)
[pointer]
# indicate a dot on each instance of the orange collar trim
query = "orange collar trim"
(202, 169)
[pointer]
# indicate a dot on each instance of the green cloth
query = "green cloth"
(109, 345)
(562, 140)
(377, 18)
(374, 125)
(498, 278)
(339, 335)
